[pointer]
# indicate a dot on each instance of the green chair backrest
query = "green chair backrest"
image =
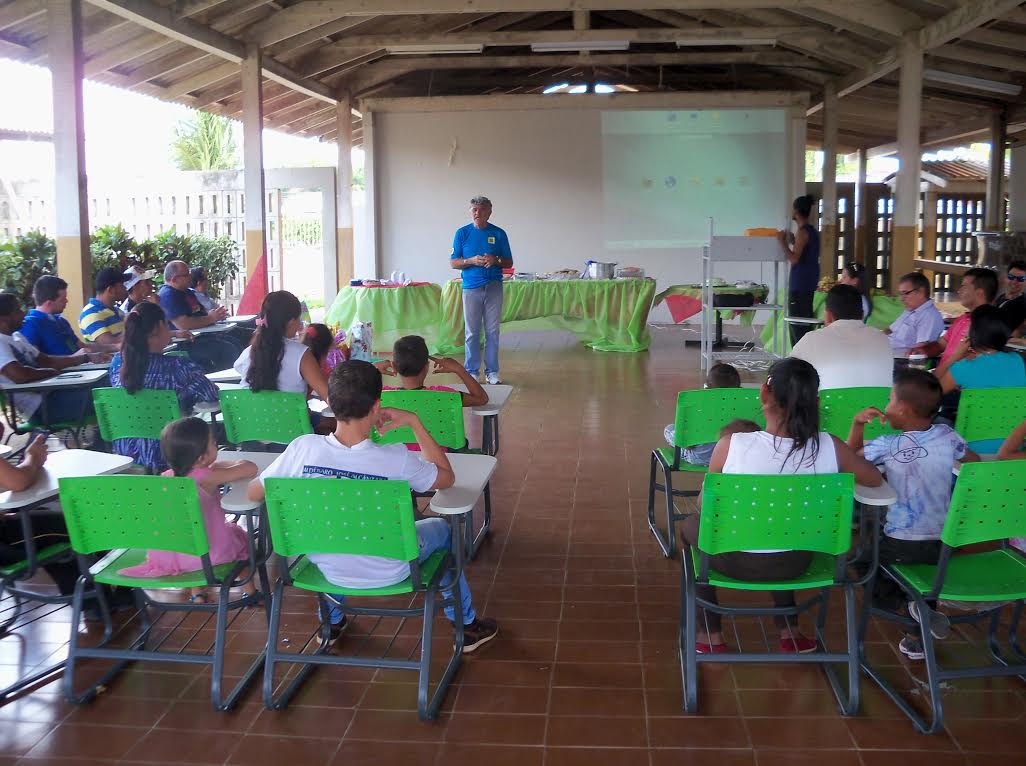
(805, 512)
(989, 413)
(441, 412)
(143, 415)
(838, 406)
(701, 413)
(270, 416)
(365, 517)
(157, 512)
(988, 503)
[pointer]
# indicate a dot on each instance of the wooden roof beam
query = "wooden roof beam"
(164, 20)
(954, 24)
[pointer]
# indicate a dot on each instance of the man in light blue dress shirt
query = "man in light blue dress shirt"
(920, 322)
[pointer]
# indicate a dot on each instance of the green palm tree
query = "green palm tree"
(206, 142)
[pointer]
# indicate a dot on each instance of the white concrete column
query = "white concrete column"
(828, 221)
(861, 209)
(64, 30)
(369, 264)
(995, 219)
(346, 268)
(904, 242)
(1017, 189)
(253, 170)
(797, 125)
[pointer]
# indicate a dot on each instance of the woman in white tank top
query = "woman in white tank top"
(792, 443)
(275, 361)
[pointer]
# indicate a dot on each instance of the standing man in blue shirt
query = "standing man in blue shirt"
(481, 251)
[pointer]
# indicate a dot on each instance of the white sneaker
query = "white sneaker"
(493, 378)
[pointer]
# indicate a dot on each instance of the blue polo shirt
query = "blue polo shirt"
(50, 333)
(470, 241)
(178, 303)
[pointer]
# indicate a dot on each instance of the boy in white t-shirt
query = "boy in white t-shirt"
(917, 463)
(354, 393)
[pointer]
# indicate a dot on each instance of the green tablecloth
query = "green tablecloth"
(394, 312)
(605, 314)
(695, 291)
(885, 310)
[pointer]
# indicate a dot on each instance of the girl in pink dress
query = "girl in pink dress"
(189, 448)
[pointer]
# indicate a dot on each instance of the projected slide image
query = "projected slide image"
(664, 174)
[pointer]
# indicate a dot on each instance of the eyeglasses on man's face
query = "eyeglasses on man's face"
(906, 293)
(1016, 277)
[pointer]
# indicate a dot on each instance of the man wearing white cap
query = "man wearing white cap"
(140, 287)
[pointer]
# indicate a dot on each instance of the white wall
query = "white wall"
(541, 169)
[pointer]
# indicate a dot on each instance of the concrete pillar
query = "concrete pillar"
(370, 262)
(904, 241)
(344, 190)
(796, 134)
(253, 169)
(64, 23)
(995, 213)
(828, 220)
(1017, 189)
(861, 210)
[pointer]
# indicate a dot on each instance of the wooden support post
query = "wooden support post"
(995, 213)
(64, 22)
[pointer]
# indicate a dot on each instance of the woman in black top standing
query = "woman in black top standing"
(803, 256)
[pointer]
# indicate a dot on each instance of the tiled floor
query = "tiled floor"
(585, 670)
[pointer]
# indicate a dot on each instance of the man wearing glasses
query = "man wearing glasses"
(1012, 301)
(211, 351)
(920, 322)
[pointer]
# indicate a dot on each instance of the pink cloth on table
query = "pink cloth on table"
(416, 447)
(682, 306)
(227, 540)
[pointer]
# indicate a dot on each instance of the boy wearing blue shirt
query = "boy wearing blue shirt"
(481, 251)
(918, 465)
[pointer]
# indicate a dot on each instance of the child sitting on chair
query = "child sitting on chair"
(189, 448)
(329, 350)
(917, 463)
(720, 376)
(410, 360)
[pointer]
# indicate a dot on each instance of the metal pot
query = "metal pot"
(600, 270)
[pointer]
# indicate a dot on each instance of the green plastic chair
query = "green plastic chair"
(989, 413)
(128, 515)
(744, 512)
(365, 518)
(74, 428)
(701, 414)
(838, 407)
(441, 412)
(264, 416)
(142, 415)
(988, 504)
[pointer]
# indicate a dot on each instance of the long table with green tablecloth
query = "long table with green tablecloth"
(394, 312)
(885, 310)
(605, 314)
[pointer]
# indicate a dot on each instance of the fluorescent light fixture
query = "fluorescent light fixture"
(601, 87)
(556, 88)
(977, 83)
(417, 50)
(703, 42)
(572, 47)
(578, 89)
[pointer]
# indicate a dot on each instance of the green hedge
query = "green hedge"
(34, 254)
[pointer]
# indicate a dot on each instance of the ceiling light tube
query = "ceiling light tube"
(700, 42)
(572, 47)
(967, 81)
(417, 50)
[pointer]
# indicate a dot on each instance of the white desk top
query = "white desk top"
(219, 327)
(73, 379)
(243, 318)
(235, 500)
(882, 495)
(61, 465)
(224, 376)
(497, 398)
(472, 474)
(5, 450)
(90, 366)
